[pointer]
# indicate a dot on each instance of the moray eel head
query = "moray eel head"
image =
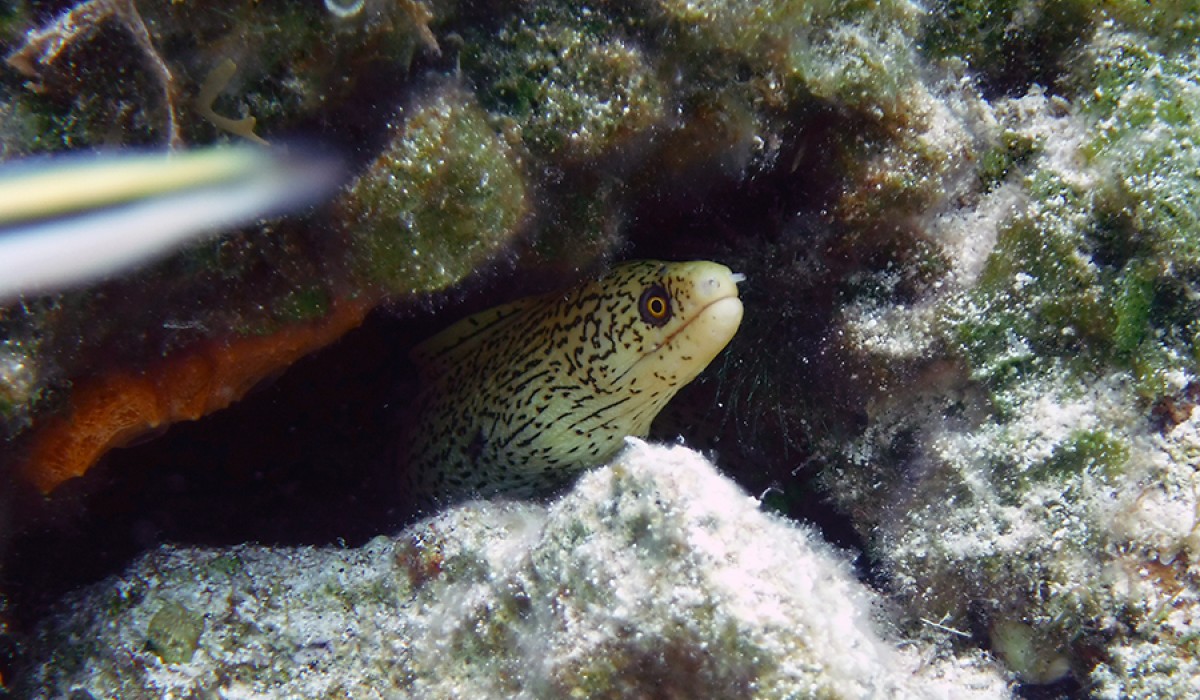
(518, 397)
(684, 314)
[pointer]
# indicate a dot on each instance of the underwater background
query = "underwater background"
(951, 452)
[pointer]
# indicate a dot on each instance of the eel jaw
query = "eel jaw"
(720, 320)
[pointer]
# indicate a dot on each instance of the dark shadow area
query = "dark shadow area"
(1065, 689)
(300, 461)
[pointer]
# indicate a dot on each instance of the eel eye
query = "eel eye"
(655, 305)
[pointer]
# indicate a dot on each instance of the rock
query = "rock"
(974, 268)
(443, 196)
(573, 87)
(1026, 464)
(653, 575)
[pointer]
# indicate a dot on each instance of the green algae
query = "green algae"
(1008, 42)
(1038, 301)
(1012, 44)
(1170, 25)
(102, 82)
(1086, 275)
(96, 85)
(572, 86)
(1096, 452)
(1146, 147)
(1133, 305)
(174, 633)
(96, 93)
(1082, 283)
(446, 194)
(1082, 318)
(1014, 152)
(228, 565)
(858, 55)
(1147, 108)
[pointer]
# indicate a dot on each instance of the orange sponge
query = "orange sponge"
(114, 409)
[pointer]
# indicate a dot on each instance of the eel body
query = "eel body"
(517, 398)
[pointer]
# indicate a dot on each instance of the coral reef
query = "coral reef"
(971, 235)
(569, 82)
(272, 278)
(654, 575)
(1026, 474)
(165, 52)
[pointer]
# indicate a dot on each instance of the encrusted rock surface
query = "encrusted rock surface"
(653, 575)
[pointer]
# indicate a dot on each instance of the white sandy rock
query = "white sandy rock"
(654, 576)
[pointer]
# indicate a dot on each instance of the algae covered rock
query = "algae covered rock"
(174, 632)
(653, 575)
(857, 55)
(109, 74)
(444, 195)
(574, 86)
(114, 72)
(1024, 473)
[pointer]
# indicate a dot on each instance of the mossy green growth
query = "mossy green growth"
(1065, 288)
(1174, 24)
(226, 565)
(1096, 452)
(1147, 141)
(1009, 43)
(1040, 299)
(444, 195)
(1145, 103)
(1133, 304)
(1014, 151)
(1099, 273)
(174, 633)
(1017, 43)
(292, 58)
(51, 125)
(571, 83)
(855, 54)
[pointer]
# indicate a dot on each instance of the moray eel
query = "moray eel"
(519, 397)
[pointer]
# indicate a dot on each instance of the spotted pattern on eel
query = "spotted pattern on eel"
(517, 398)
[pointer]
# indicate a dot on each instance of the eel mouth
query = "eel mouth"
(722, 315)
